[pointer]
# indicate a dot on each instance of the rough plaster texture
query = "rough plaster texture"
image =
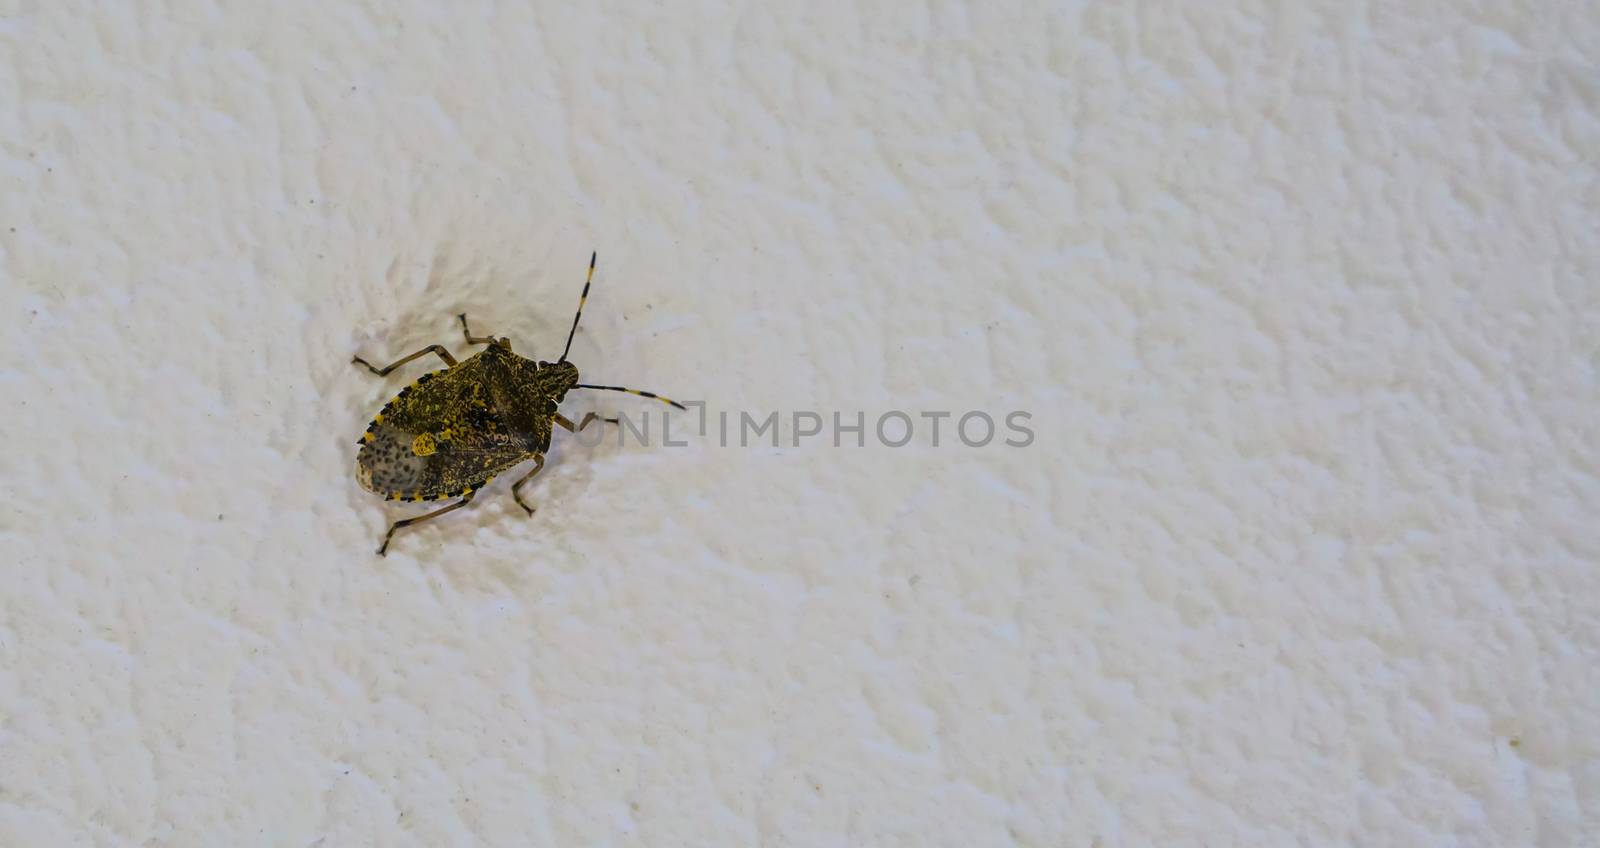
(1303, 299)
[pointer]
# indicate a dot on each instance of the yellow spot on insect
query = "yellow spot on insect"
(368, 437)
(424, 445)
(378, 419)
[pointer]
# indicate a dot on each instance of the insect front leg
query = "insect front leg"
(439, 349)
(471, 339)
(516, 488)
(571, 428)
(404, 522)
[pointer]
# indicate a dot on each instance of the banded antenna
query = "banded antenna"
(581, 300)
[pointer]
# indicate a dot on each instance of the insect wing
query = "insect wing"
(438, 438)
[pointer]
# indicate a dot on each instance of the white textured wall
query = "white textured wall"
(1303, 298)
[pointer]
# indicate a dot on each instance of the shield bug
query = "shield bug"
(449, 433)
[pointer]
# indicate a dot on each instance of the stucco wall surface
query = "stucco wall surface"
(1301, 298)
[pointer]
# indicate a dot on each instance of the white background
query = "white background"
(1302, 297)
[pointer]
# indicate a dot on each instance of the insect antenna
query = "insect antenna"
(581, 299)
(668, 401)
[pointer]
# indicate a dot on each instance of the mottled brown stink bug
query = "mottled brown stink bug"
(449, 433)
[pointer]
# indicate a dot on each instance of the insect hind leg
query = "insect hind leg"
(382, 372)
(406, 522)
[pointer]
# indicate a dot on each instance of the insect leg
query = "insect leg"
(571, 428)
(420, 518)
(439, 349)
(471, 339)
(516, 488)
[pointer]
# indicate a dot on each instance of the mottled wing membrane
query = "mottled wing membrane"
(440, 437)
